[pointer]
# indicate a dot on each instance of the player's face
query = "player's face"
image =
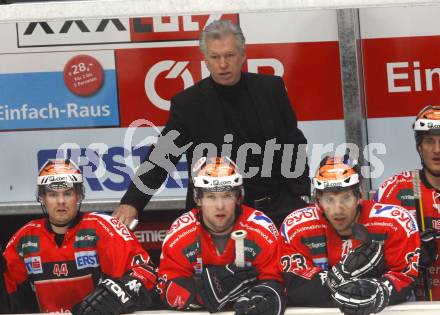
(340, 208)
(429, 150)
(224, 60)
(61, 205)
(218, 211)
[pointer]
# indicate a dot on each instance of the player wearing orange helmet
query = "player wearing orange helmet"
(197, 265)
(351, 253)
(419, 191)
(83, 263)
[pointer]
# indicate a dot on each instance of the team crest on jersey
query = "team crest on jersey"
(33, 265)
(263, 220)
(399, 214)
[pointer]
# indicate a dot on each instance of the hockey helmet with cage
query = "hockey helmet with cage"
(59, 174)
(216, 174)
(336, 174)
(427, 122)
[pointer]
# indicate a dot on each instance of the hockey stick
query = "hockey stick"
(239, 236)
(421, 223)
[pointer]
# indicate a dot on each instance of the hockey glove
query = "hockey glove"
(362, 296)
(266, 298)
(428, 250)
(219, 285)
(180, 293)
(364, 261)
(114, 297)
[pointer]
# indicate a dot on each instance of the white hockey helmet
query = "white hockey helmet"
(59, 174)
(427, 122)
(336, 173)
(216, 174)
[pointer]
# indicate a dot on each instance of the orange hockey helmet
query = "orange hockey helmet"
(336, 173)
(59, 174)
(216, 174)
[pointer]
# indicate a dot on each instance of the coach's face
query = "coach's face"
(224, 60)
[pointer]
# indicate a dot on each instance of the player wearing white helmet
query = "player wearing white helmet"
(419, 191)
(351, 253)
(83, 263)
(60, 191)
(200, 264)
(218, 181)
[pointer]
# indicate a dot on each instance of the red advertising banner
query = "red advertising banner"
(152, 234)
(402, 75)
(149, 77)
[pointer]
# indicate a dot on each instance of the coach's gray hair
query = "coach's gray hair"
(219, 29)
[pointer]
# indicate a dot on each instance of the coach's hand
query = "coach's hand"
(125, 213)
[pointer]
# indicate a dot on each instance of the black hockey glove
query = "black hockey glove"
(428, 250)
(265, 298)
(362, 296)
(365, 261)
(113, 297)
(219, 285)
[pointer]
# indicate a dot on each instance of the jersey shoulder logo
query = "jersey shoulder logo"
(115, 225)
(264, 221)
(179, 224)
(397, 214)
(301, 216)
(298, 217)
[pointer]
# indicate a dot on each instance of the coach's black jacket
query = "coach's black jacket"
(198, 116)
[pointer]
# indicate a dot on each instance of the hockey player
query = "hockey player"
(425, 204)
(345, 251)
(84, 263)
(197, 264)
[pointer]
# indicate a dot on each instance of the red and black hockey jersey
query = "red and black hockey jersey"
(399, 190)
(309, 244)
(188, 246)
(62, 276)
